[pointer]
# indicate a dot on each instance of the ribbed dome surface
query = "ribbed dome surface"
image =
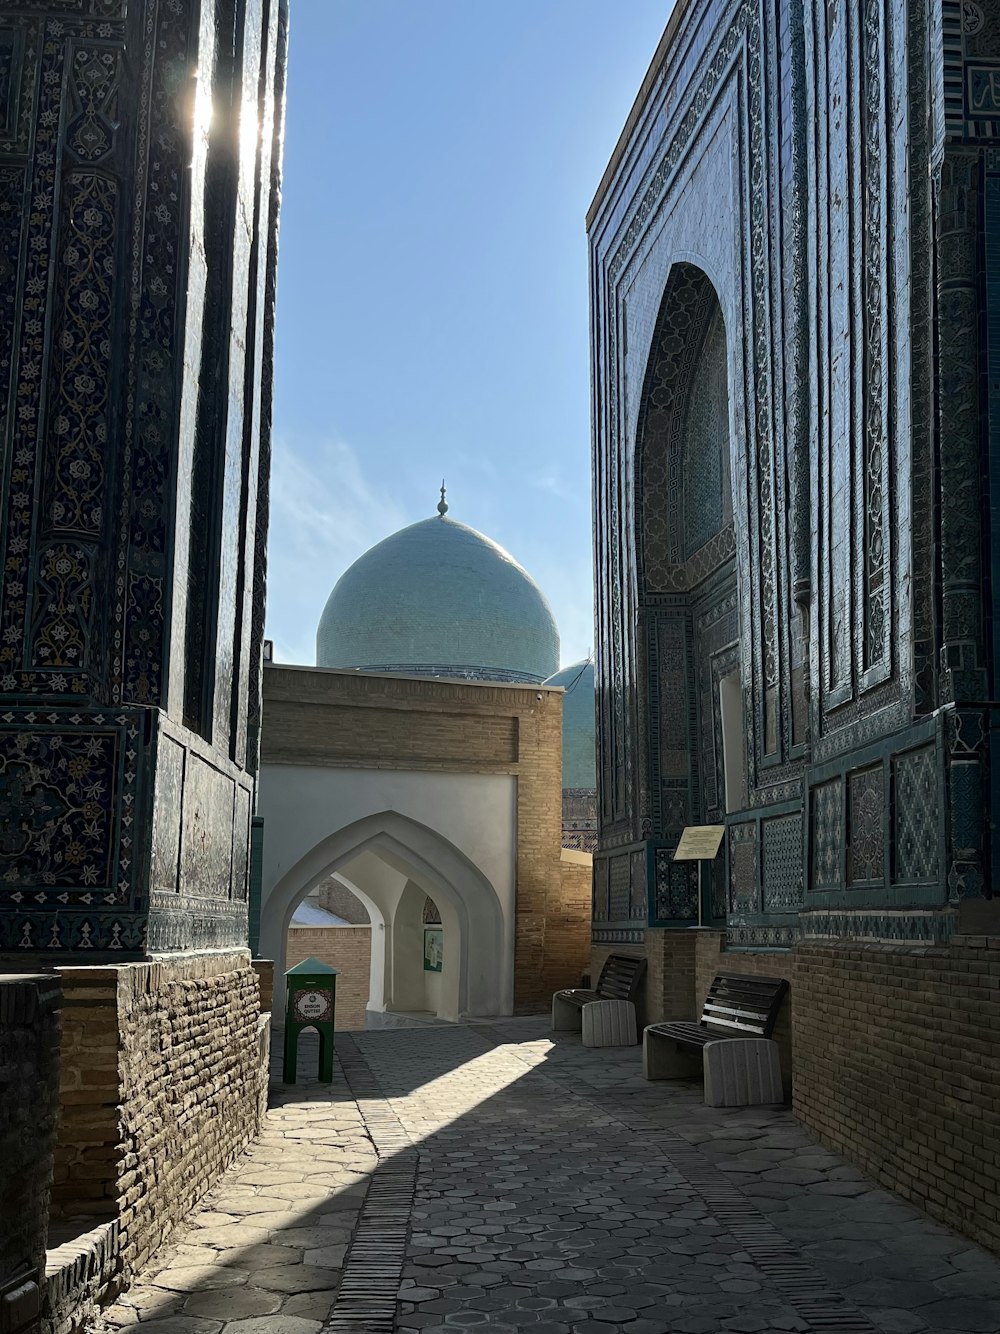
(579, 727)
(439, 598)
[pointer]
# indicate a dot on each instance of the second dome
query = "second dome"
(439, 598)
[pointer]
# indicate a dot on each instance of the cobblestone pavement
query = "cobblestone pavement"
(263, 1253)
(561, 1193)
(557, 1193)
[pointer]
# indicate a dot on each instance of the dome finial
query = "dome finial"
(442, 503)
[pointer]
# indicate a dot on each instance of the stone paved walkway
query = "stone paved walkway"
(558, 1193)
(264, 1252)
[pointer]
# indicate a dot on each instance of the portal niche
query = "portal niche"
(693, 700)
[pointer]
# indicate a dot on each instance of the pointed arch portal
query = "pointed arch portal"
(691, 705)
(392, 862)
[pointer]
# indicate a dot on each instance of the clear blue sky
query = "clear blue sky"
(440, 156)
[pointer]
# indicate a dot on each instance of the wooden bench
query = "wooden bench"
(606, 1014)
(731, 1043)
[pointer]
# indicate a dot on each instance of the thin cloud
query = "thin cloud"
(324, 514)
(557, 484)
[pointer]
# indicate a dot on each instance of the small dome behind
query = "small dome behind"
(439, 598)
(579, 728)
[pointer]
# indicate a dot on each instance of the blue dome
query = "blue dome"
(579, 726)
(439, 598)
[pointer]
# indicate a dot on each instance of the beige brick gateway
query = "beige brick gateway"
(456, 788)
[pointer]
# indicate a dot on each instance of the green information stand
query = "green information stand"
(310, 1003)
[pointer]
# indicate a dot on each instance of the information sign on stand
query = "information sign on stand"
(310, 1003)
(700, 843)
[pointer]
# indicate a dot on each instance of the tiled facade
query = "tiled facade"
(140, 168)
(817, 274)
(138, 237)
(800, 642)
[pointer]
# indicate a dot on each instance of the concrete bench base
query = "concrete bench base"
(566, 1017)
(663, 1058)
(738, 1072)
(609, 1023)
(742, 1072)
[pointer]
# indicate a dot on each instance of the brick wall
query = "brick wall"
(540, 959)
(567, 930)
(348, 948)
(374, 737)
(897, 1065)
(264, 968)
(163, 1078)
(85, 1179)
(82, 1274)
(29, 1084)
(670, 980)
(374, 720)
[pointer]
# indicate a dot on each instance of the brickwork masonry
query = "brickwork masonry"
(567, 927)
(163, 1082)
(897, 1065)
(340, 719)
(348, 948)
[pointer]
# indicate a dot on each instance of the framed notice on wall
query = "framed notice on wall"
(433, 949)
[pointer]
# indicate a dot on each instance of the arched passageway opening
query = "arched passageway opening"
(440, 944)
(333, 924)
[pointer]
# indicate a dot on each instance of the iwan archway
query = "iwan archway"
(393, 863)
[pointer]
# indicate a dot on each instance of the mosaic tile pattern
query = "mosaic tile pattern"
(866, 815)
(916, 815)
(676, 890)
(101, 193)
(781, 863)
(827, 836)
(743, 896)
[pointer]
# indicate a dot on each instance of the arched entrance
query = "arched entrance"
(394, 864)
(691, 711)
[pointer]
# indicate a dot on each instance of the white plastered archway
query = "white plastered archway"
(381, 951)
(479, 978)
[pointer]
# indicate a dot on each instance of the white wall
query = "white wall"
(453, 835)
(379, 893)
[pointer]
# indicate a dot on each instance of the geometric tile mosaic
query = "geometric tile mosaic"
(827, 836)
(915, 809)
(781, 857)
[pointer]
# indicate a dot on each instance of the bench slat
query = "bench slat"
(716, 1022)
(620, 977)
(734, 1010)
(764, 993)
(733, 993)
(759, 999)
(749, 982)
(578, 996)
(735, 1001)
(683, 1032)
